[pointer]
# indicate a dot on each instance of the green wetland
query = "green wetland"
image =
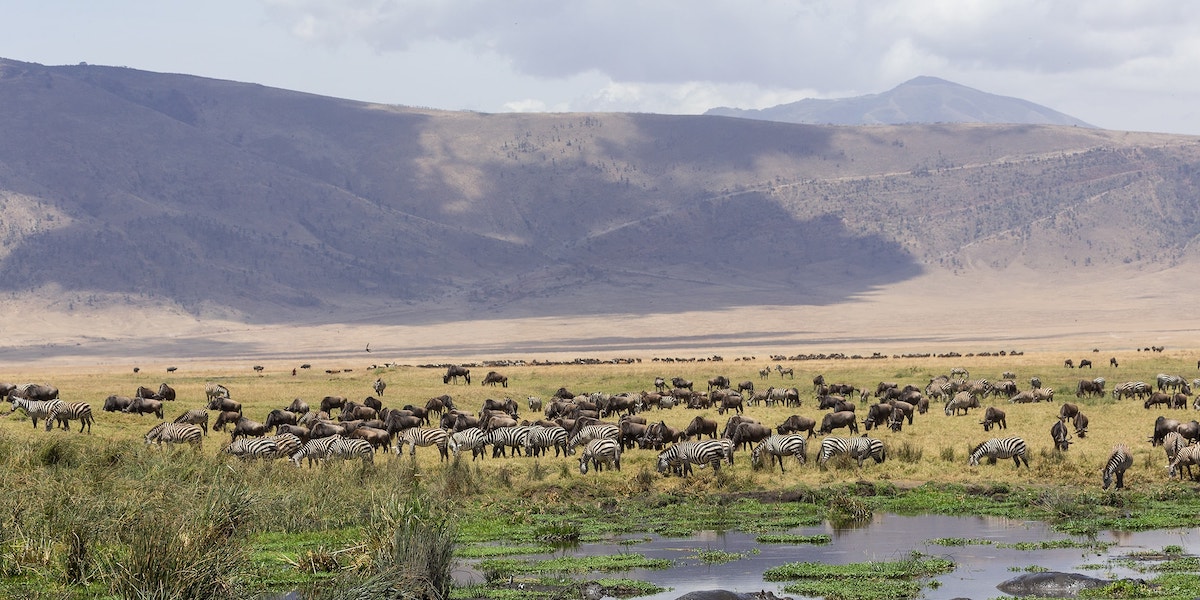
(107, 516)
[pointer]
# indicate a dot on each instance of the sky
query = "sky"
(1124, 65)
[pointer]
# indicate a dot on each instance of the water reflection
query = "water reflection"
(980, 567)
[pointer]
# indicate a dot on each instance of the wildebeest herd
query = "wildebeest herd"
(598, 427)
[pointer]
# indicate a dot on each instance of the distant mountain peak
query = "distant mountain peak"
(922, 99)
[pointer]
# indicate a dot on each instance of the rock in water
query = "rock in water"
(1050, 584)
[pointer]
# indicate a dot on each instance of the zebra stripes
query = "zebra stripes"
(1170, 382)
(196, 416)
(175, 433)
(215, 390)
(286, 444)
(473, 439)
(779, 446)
(1172, 443)
(600, 452)
(1130, 389)
(680, 457)
(334, 446)
(65, 412)
(1187, 456)
(503, 438)
(252, 448)
(858, 448)
(34, 409)
(313, 450)
(1120, 460)
(424, 437)
(541, 439)
(593, 432)
(1013, 447)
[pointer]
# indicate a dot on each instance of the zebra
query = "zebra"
(347, 448)
(195, 416)
(790, 372)
(473, 439)
(961, 401)
(64, 412)
(252, 448)
(858, 448)
(423, 436)
(1130, 389)
(1012, 447)
(592, 432)
(1120, 460)
(314, 450)
(960, 372)
(541, 439)
(215, 390)
(175, 433)
(600, 451)
(34, 409)
(680, 457)
(1188, 456)
(503, 438)
(1171, 382)
(1172, 443)
(287, 444)
(779, 446)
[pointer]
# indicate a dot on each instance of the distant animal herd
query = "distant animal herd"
(598, 427)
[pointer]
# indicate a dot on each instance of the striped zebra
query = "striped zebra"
(473, 439)
(503, 438)
(857, 448)
(348, 448)
(1130, 389)
(175, 433)
(252, 448)
(1188, 456)
(314, 450)
(1013, 447)
(541, 439)
(960, 372)
(680, 457)
(196, 416)
(1173, 442)
(593, 432)
(286, 444)
(34, 409)
(213, 390)
(600, 452)
(424, 437)
(1170, 382)
(65, 412)
(779, 446)
(1120, 460)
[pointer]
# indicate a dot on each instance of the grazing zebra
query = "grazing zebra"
(1120, 460)
(1013, 447)
(1130, 389)
(1188, 456)
(858, 448)
(473, 439)
(252, 448)
(34, 409)
(347, 448)
(315, 450)
(593, 432)
(680, 457)
(1171, 382)
(214, 390)
(1173, 442)
(424, 436)
(541, 439)
(961, 401)
(286, 444)
(503, 438)
(379, 386)
(195, 416)
(65, 412)
(600, 452)
(959, 372)
(175, 433)
(779, 446)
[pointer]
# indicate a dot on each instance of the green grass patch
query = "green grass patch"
(957, 541)
(716, 557)
(488, 551)
(796, 539)
(498, 568)
(892, 580)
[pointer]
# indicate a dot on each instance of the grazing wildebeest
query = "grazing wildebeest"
(166, 392)
(796, 424)
(440, 404)
(453, 372)
(700, 427)
(116, 403)
(836, 420)
(142, 406)
(1080, 422)
(1067, 411)
(748, 434)
(1060, 435)
(279, 417)
(492, 378)
(1070, 364)
(224, 404)
(993, 417)
(297, 406)
(1085, 363)
(719, 382)
(660, 385)
(680, 382)
(329, 403)
(34, 391)
(746, 386)
(1112, 362)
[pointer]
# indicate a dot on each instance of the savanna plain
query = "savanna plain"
(104, 514)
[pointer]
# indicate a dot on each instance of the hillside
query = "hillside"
(919, 100)
(128, 197)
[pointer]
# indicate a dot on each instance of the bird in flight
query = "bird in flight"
(368, 346)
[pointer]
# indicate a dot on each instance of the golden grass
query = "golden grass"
(925, 446)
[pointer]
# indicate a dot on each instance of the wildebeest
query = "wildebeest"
(877, 414)
(1070, 364)
(224, 404)
(1112, 362)
(1094, 387)
(145, 392)
(297, 406)
(440, 404)
(680, 382)
(660, 385)
(492, 378)
(993, 417)
(116, 403)
(453, 372)
(142, 406)
(700, 427)
(166, 392)
(748, 434)
(730, 400)
(328, 403)
(1162, 426)
(246, 427)
(719, 382)
(34, 391)
(1080, 422)
(837, 420)
(379, 386)
(1060, 435)
(746, 386)
(1067, 411)
(279, 417)
(1085, 363)
(796, 424)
